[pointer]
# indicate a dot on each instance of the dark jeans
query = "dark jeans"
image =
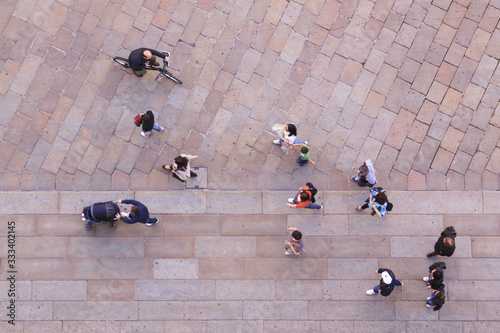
(301, 161)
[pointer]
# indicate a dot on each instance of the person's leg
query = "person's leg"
(376, 289)
(398, 283)
(365, 206)
(158, 128)
(192, 174)
(140, 73)
(175, 176)
(314, 206)
(152, 61)
(432, 254)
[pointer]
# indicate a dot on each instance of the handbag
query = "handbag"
(138, 120)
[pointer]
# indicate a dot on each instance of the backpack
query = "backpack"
(389, 206)
(138, 120)
(313, 190)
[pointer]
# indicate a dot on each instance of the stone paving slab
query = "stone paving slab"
(223, 271)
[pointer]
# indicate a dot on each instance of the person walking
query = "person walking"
(148, 124)
(181, 168)
(387, 283)
(445, 245)
(304, 155)
(437, 299)
(366, 174)
(295, 244)
(436, 275)
(287, 136)
(141, 58)
(138, 213)
(378, 202)
(304, 199)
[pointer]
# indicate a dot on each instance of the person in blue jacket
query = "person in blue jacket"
(138, 213)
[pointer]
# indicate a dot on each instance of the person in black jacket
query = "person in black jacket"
(445, 245)
(387, 283)
(138, 213)
(436, 275)
(436, 300)
(148, 124)
(141, 58)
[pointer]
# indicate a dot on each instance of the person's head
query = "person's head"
(181, 162)
(304, 196)
(297, 235)
(449, 242)
(437, 275)
(145, 117)
(363, 170)
(292, 129)
(304, 150)
(135, 210)
(147, 54)
(439, 294)
(381, 198)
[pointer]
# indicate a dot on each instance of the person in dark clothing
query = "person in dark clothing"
(436, 300)
(138, 213)
(141, 58)
(148, 124)
(387, 283)
(436, 275)
(445, 246)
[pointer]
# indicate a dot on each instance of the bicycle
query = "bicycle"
(163, 70)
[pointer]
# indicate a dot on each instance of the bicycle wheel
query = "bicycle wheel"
(171, 77)
(121, 61)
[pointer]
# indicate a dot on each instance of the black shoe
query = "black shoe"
(431, 254)
(193, 175)
(88, 226)
(152, 223)
(112, 225)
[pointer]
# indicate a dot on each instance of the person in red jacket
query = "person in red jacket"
(303, 199)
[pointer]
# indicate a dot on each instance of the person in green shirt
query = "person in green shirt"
(304, 155)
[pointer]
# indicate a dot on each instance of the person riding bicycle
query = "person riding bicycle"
(141, 58)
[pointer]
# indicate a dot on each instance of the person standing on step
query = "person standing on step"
(304, 199)
(295, 244)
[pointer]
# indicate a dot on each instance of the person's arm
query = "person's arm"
(311, 161)
(293, 250)
(130, 202)
(291, 205)
(292, 229)
(158, 54)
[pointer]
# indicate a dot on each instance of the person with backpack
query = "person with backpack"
(366, 174)
(295, 244)
(305, 198)
(387, 283)
(445, 245)
(378, 202)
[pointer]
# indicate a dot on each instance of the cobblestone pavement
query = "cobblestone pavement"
(205, 269)
(413, 85)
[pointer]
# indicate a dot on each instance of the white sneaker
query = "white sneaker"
(429, 306)
(402, 284)
(290, 200)
(152, 224)
(370, 292)
(84, 219)
(321, 207)
(83, 214)
(428, 298)
(288, 253)
(143, 134)
(277, 142)
(426, 279)
(355, 178)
